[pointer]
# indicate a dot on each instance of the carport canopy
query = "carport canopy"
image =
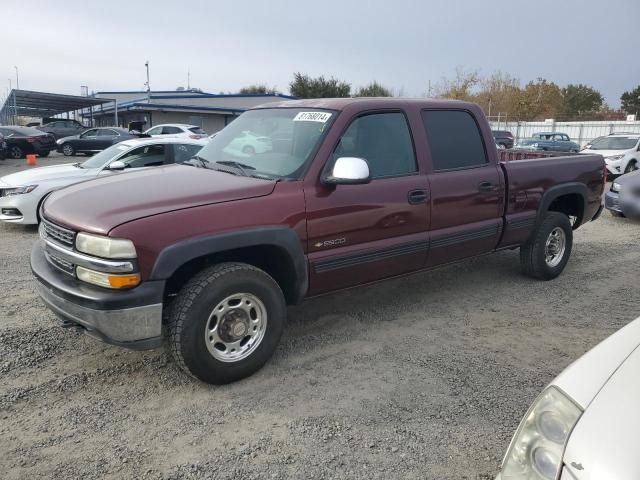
(28, 103)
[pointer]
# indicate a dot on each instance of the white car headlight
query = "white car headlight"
(105, 247)
(537, 447)
(20, 190)
(614, 157)
(616, 187)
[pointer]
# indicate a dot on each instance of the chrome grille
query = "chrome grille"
(66, 267)
(59, 235)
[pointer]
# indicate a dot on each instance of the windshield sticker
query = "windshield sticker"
(321, 117)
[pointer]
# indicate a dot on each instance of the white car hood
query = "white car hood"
(606, 153)
(603, 445)
(42, 174)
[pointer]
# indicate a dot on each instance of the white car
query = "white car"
(621, 151)
(22, 193)
(248, 144)
(585, 424)
(177, 130)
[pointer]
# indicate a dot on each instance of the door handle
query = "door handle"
(417, 196)
(486, 187)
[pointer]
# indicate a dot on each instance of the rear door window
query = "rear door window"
(171, 130)
(454, 139)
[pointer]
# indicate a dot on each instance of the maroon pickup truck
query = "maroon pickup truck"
(290, 201)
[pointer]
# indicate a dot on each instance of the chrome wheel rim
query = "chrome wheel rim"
(555, 247)
(67, 150)
(236, 327)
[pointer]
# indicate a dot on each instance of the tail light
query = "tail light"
(195, 137)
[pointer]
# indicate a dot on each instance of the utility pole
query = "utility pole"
(429, 91)
(188, 80)
(146, 64)
(17, 78)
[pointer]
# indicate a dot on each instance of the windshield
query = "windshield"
(614, 143)
(105, 156)
(274, 142)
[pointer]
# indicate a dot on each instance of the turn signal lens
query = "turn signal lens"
(108, 280)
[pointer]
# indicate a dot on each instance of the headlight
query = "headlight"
(615, 157)
(534, 145)
(108, 280)
(105, 247)
(20, 190)
(616, 187)
(59, 142)
(536, 450)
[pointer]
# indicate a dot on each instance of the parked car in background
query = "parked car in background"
(93, 140)
(356, 190)
(249, 143)
(62, 128)
(25, 140)
(503, 138)
(621, 151)
(551, 141)
(21, 193)
(177, 130)
(3, 147)
(623, 197)
(584, 425)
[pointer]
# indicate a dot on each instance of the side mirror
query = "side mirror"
(117, 165)
(348, 171)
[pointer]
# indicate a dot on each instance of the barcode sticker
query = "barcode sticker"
(321, 117)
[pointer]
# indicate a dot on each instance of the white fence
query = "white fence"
(579, 132)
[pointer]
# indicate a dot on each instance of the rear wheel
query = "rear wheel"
(226, 322)
(16, 152)
(68, 150)
(547, 252)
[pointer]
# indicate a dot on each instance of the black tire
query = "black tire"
(188, 318)
(43, 154)
(533, 253)
(16, 152)
(632, 166)
(68, 150)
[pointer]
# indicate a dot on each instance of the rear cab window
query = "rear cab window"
(455, 140)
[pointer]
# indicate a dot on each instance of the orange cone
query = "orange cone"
(31, 159)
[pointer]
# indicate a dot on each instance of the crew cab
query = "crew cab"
(205, 256)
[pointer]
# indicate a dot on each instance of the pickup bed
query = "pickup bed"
(294, 200)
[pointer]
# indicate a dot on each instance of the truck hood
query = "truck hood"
(102, 204)
(42, 174)
(605, 383)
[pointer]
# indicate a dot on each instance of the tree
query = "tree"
(539, 100)
(499, 94)
(374, 89)
(460, 88)
(258, 88)
(306, 87)
(581, 99)
(630, 101)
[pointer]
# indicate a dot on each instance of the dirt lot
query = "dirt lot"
(423, 377)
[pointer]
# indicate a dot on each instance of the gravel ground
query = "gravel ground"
(421, 377)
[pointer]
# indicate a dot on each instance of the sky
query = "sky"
(403, 44)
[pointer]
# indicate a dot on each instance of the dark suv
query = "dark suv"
(63, 128)
(503, 138)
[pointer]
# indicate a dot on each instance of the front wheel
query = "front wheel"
(631, 167)
(16, 152)
(547, 252)
(68, 150)
(226, 322)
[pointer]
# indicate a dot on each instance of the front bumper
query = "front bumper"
(612, 202)
(19, 208)
(614, 167)
(128, 318)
